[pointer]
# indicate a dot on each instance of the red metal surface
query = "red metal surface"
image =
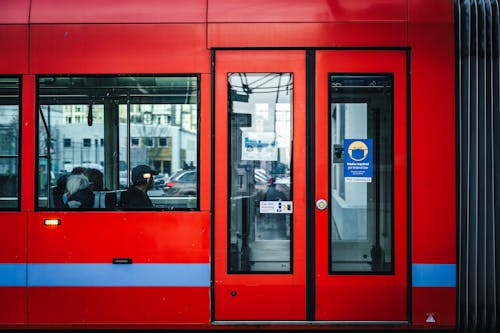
(314, 11)
(115, 48)
(28, 144)
(12, 306)
(431, 34)
(118, 305)
(98, 237)
(12, 251)
(118, 11)
(14, 58)
(260, 296)
(358, 298)
(14, 11)
(433, 137)
(307, 34)
(436, 301)
(205, 148)
(430, 11)
(362, 297)
(12, 237)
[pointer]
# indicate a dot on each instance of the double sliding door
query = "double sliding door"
(310, 186)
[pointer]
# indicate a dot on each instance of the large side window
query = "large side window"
(127, 142)
(9, 142)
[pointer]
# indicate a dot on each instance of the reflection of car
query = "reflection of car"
(273, 188)
(176, 174)
(183, 183)
(159, 180)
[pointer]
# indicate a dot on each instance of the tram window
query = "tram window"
(113, 124)
(361, 220)
(260, 223)
(9, 143)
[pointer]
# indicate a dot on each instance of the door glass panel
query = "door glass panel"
(260, 152)
(361, 156)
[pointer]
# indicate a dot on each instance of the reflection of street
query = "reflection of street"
(155, 193)
(272, 227)
(270, 256)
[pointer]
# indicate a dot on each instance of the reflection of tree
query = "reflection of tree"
(176, 124)
(9, 134)
(9, 149)
(42, 131)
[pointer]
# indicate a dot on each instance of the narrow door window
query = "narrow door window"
(260, 149)
(361, 159)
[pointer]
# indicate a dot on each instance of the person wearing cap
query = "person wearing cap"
(136, 195)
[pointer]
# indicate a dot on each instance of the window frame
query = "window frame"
(230, 122)
(18, 156)
(196, 76)
(331, 100)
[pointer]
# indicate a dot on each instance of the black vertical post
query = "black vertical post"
(310, 181)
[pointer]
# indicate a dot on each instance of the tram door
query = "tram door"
(310, 186)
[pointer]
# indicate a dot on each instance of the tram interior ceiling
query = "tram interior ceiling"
(119, 89)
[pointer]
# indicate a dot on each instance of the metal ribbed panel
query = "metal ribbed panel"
(478, 176)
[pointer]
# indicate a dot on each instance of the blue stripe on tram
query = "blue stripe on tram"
(12, 275)
(181, 275)
(434, 275)
(109, 275)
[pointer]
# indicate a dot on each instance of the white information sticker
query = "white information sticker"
(276, 207)
(259, 146)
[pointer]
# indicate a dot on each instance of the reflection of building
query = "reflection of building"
(9, 134)
(156, 137)
(349, 201)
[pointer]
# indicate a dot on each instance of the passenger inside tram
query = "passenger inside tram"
(96, 179)
(58, 192)
(78, 194)
(136, 196)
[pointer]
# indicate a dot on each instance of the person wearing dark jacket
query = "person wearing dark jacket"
(136, 195)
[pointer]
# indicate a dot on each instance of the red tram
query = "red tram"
(303, 153)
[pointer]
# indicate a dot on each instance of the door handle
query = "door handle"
(321, 204)
(120, 261)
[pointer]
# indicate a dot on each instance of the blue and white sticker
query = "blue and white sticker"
(358, 160)
(276, 207)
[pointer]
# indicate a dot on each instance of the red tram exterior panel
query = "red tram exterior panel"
(431, 56)
(63, 276)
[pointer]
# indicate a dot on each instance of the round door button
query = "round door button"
(321, 204)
